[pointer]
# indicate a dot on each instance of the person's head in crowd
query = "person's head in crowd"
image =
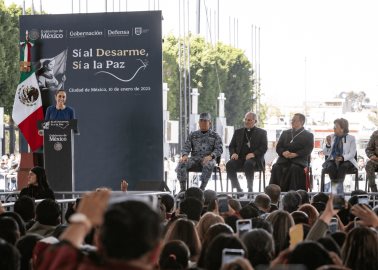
(330, 245)
(10, 257)
(213, 231)
(260, 246)
(209, 196)
(25, 246)
(262, 201)
(358, 192)
(305, 198)
(195, 192)
(25, 207)
(310, 254)
(9, 230)
(234, 204)
(206, 221)
(131, 230)
(37, 177)
(168, 201)
(259, 223)
(300, 217)
(311, 212)
(191, 207)
(339, 237)
(274, 192)
(249, 211)
(231, 221)
(16, 217)
(48, 212)
(281, 222)
(291, 201)
(184, 230)
(174, 255)
(320, 197)
(360, 249)
(213, 256)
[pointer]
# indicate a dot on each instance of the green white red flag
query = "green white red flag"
(27, 106)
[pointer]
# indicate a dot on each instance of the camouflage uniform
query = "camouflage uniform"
(199, 145)
(371, 165)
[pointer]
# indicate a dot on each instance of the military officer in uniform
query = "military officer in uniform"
(204, 145)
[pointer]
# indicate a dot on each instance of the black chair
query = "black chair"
(260, 170)
(352, 170)
(216, 170)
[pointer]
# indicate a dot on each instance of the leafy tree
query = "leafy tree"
(9, 54)
(212, 70)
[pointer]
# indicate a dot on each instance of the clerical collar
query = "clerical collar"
(249, 129)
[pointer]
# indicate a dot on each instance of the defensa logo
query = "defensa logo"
(52, 34)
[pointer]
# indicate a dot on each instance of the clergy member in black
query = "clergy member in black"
(247, 149)
(294, 149)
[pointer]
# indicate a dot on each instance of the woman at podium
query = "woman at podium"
(38, 187)
(60, 111)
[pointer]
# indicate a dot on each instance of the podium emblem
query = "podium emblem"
(58, 146)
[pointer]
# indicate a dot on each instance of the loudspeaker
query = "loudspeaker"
(151, 186)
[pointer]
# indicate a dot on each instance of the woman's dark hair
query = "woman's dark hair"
(213, 257)
(185, 230)
(25, 246)
(10, 257)
(343, 123)
(311, 254)
(16, 217)
(25, 207)
(212, 232)
(174, 255)
(260, 246)
(41, 177)
(330, 244)
(60, 90)
(9, 230)
(360, 249)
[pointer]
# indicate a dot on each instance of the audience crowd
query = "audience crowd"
(190, 231)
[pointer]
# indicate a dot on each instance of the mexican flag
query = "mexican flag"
(27, 106)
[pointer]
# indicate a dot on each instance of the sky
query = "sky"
(309, 50)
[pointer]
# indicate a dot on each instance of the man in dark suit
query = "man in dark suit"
(293, 148)
(247, 149)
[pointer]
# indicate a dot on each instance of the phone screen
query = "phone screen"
(363, 199)
(222, 204)
(333, 225)
(243, 226)
(229, 255)
(338, 195)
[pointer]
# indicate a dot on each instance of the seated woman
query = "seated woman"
(38, 187)
(340, 149)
